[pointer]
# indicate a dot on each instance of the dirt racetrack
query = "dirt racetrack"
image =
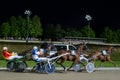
(59, 75)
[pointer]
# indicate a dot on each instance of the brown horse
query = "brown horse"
(103, 55)
(27, 54)
(72, 56)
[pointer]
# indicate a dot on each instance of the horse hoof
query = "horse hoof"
(116, 66)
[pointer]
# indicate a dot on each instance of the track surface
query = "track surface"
(60, 75)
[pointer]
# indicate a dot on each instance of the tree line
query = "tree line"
(17, 27)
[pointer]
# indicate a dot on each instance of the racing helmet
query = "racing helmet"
(5, 48)
(35, 48)
(42, 50)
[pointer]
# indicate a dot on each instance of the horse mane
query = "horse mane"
(109, 49)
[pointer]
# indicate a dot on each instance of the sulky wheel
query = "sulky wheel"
(90, 67)
(49, 68)
(21, 66)
(40, 68)
(76, 67)
(10, 65)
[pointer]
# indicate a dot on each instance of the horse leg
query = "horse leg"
(102, 60)
(61, 63)
(71, 66)
(82, 64)
(113, 63)
(74, 62)
(100, 65)
(109, 60)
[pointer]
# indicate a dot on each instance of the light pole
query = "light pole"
(89, 18)
(28, 13)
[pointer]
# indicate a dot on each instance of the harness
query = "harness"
(104, 52)
(73, 52)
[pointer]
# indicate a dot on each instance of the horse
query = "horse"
(103, 55)
(26, 53)
(73, 56)
(47, 47)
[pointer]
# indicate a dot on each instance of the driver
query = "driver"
(36, 55)
(10, 55)
(82, 57)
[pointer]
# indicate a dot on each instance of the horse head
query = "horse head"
(82, 47)
(110, 49)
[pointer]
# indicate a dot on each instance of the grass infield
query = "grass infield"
(67, 63)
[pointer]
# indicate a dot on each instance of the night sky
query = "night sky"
(65, 12)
